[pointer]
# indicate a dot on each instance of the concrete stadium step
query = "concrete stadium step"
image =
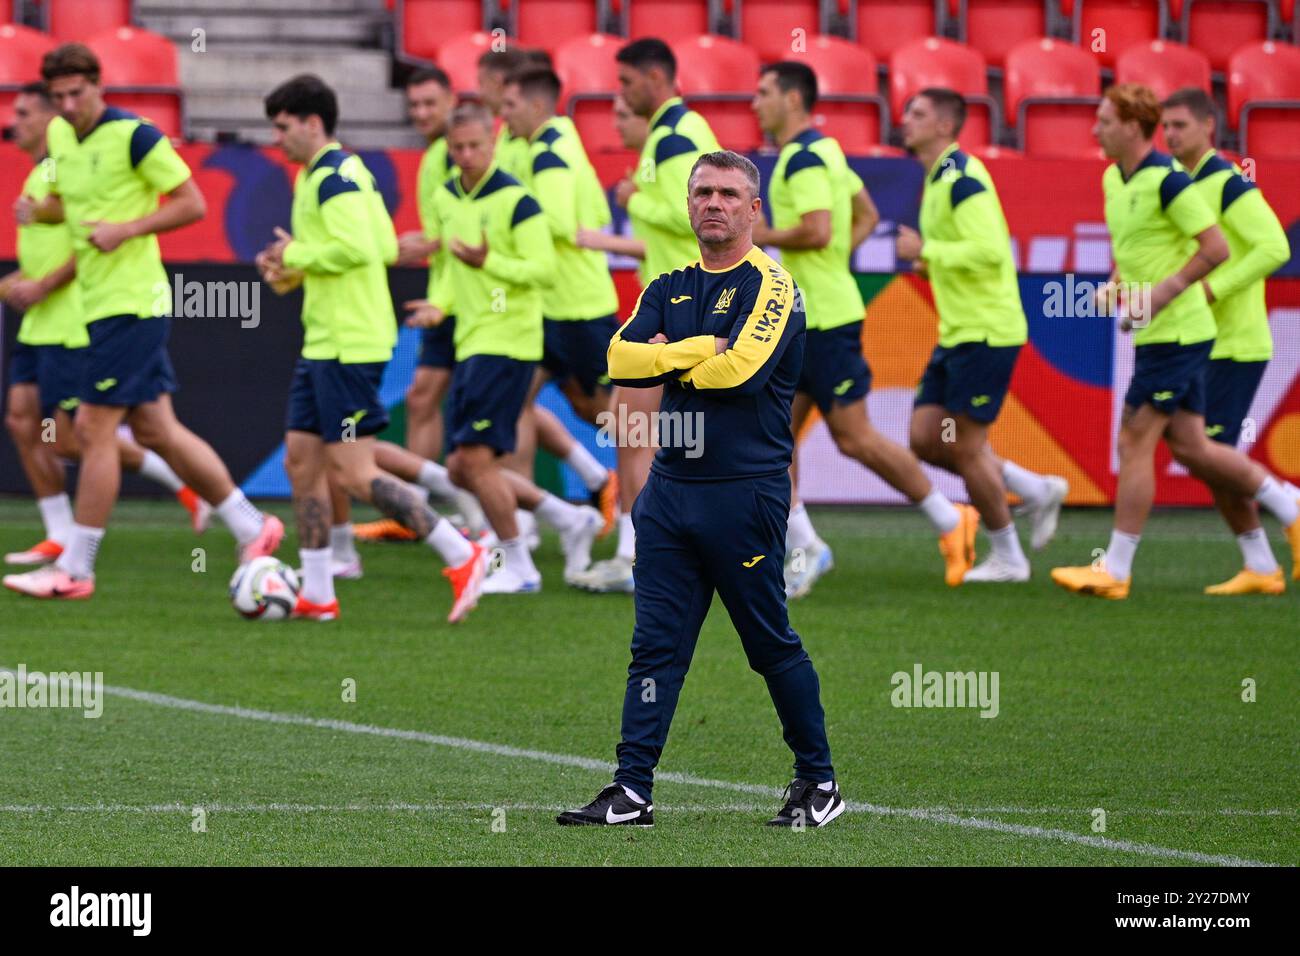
(355, 135)
(262, 67)
(314, 28)
(280, 7)
(208, 106)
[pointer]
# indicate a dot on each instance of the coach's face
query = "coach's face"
(722, 207)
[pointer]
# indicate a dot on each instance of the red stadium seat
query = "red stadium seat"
(1220, 27)
(1051, 91)
(589, 78)
(1264, 99)
(424, 25)
(140, 73)
(848, 106)
(1122, 23)
(21, 50)
(1164, 66)
(882, 26)
(769, 25)
(938, 62)
(458, 57)
(665, 18)
(717, 77)
(994, 26)
(548, 23)
(69, 20)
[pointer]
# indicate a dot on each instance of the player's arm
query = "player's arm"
(533, 261)
(553, 181)
(605, 242)
(23, 292)
(1188, 211)
(1251, 217)
(635, 361)
(675, 154)
(48, 211)
(865, 217)
(759, 338)
(981, 240)
(809, 185)
(346, 218)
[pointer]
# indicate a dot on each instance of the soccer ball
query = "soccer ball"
(265, 588)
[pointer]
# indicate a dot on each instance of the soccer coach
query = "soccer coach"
(725, 335)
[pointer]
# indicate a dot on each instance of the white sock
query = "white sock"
(631, 795)
(1281, 505)
(317, 577)
(1119, 554)
(1006, 545)
(1256, 553)
(828, 786)
(799, 530)
(593, 473)
(525, 522)
(155, 469)
(1030, 486)
(78, 557)
(940, 511)
(449, 543)
(56, 514)
(556, 512)
(517, 558)
(342, 545)
(626, 538)
(241, 517)
(1291, 489)
(435, 478)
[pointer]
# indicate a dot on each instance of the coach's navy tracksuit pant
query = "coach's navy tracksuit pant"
(694, 538)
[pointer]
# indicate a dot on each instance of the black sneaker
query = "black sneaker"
(807, 806)
(612, 807)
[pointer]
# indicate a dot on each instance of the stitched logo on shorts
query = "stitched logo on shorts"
(104, 384)
(1162, 396)
(678, 299)
(355, 417)
(1213, 429)
(979, 400)
(68, 404)
(844, 386)
(754, 560)
(481, 424)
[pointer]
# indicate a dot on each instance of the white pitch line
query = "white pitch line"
(588, 763)
(402, 807)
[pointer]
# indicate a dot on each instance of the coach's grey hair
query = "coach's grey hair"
(468, 113)
(726, 159)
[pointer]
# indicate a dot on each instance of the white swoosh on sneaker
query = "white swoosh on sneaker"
(819, 818)
(612, 817)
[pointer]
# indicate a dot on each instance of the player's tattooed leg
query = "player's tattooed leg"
(395, 501)
(313, 515)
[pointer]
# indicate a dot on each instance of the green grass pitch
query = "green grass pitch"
(463, 742)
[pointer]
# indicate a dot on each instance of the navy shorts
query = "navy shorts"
(834, 370)
(438, 345)
(577, 349)
(1229, 390)
(23, 364)
(1168, 376)
(61, 372)
(969, 379)
(487, 394)
(330, 399)
(126, 361)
